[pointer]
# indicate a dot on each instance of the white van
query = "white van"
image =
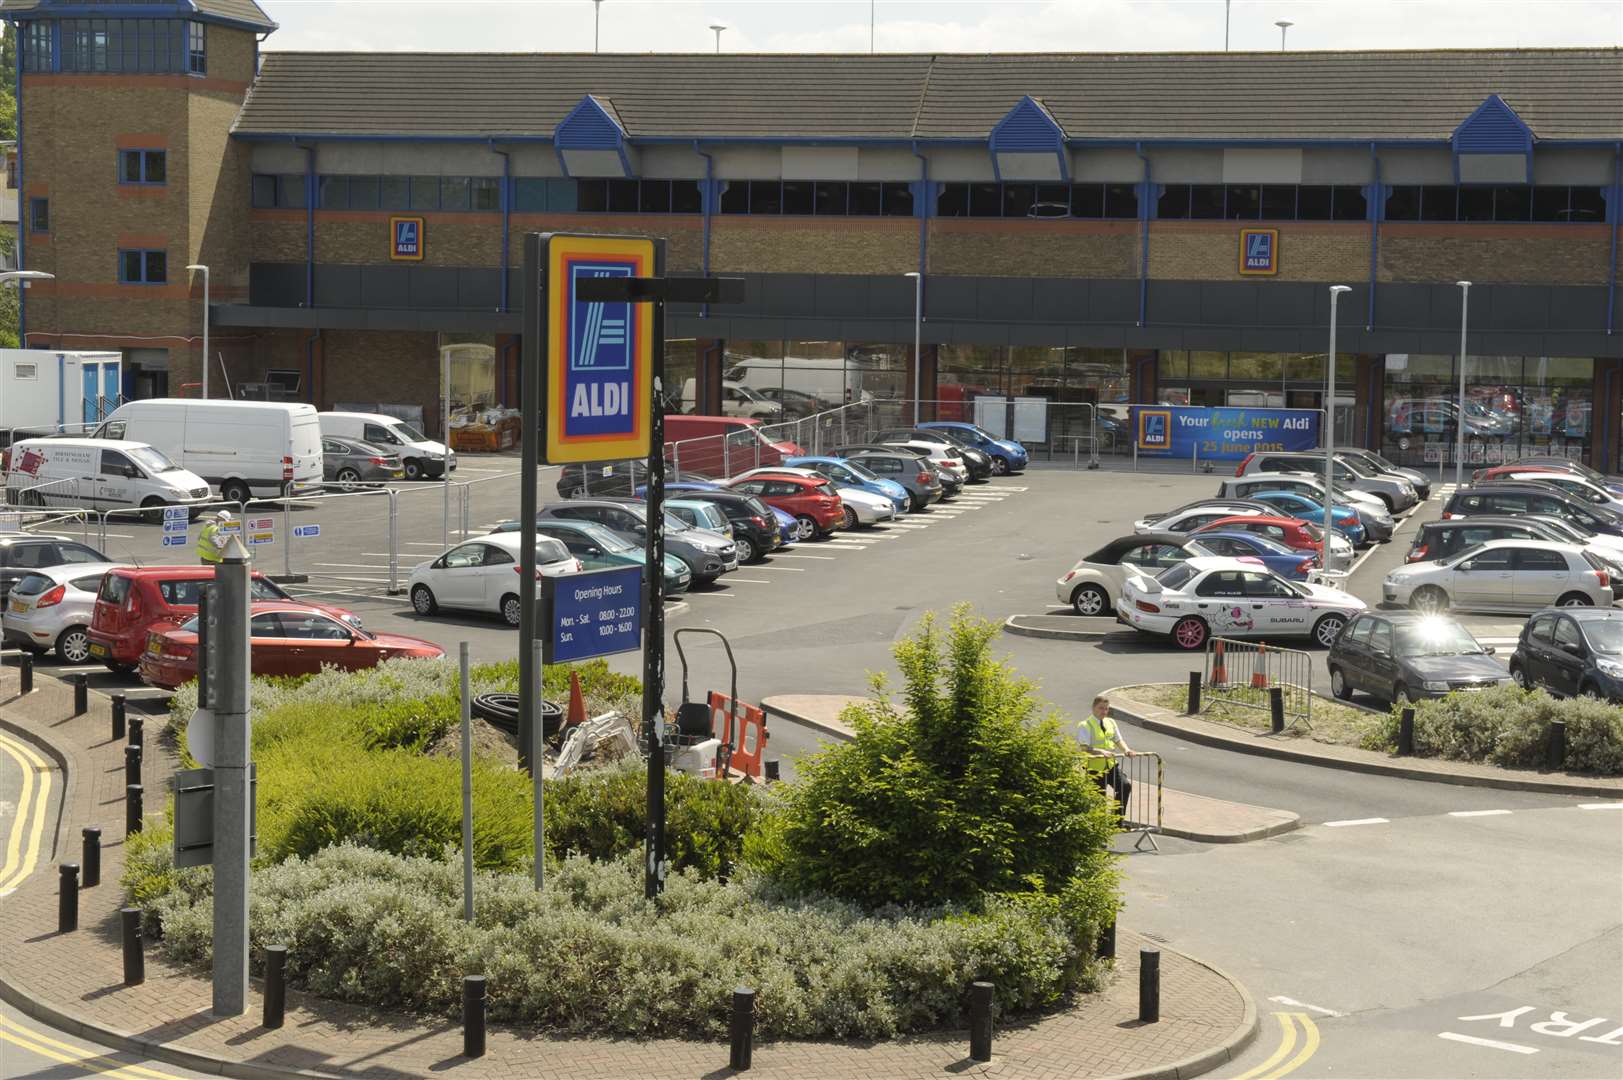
(736, 400)
(833, 380)
(244, 448)
(98, 474)
(422, 456)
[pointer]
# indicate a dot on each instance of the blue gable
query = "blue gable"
(1494, 128)
(1028, 128)
(591, 125)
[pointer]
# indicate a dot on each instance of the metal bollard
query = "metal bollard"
(1194, 693)
(91, 856)
(275, 984)
(1276, 708)
(1107, 942)
(118, 716)
(1555, 751)
(773, 770)
(67, 898)
(81, 695)
(980, 1021)
(138, 732)
(1149, 986)
(741, 1031)
(473, 1016)
(132, 809)
(25, 675)
(135, 961)
(1406, 732)
(132, 764)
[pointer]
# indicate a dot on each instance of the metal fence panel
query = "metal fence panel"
(1243, 672)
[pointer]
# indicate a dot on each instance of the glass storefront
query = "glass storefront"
(1256, 380)
(806, 377)
(1514, 406)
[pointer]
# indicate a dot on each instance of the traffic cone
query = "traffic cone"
(1259, 674)
(1219, 674)
(577, 703)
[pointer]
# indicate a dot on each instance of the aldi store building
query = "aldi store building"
(1087, 227)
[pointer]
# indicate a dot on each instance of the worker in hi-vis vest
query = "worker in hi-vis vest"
(212, 539)
(1105, 747)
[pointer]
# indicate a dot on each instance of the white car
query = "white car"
(1207, 597)
(51, 608)
(862, 507)
(941, 456)
(482, 575)
(1092, 585)
(1503, 575)
(1192, 516)
(1580, 488)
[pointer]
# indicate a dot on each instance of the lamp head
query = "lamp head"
(1336, 290)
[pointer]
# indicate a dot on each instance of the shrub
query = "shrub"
(1509, 726)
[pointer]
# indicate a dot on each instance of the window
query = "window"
(1496, 561)
(1538, 559)
(143, 166)
(332, 193)
(1266, 585)
(267, 624)
(264, 192)
(456, 193)
(36, 46)
(1380, 639)
(197, 48)
(1542, 628)
(1359, 633)
(136, 267)
(363, 192)
(129, 46)
(425, 193)
(1566, 633)
(1244, 202)
(1022, 200)
(1222, 583)
(462, 558)
(1206, 201)
(39, 215)
(394, 193)
(284, 192)
(114, 463)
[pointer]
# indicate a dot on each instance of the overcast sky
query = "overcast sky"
(937, 25)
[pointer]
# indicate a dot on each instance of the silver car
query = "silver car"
(1350, 475)
(1503, 575)
(50, 609)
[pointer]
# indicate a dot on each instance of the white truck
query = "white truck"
(44, 391)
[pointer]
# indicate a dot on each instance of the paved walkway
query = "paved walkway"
(73, 981)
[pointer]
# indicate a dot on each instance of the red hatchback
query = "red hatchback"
(816, 506)
(135, 600)
(1292, 532)
(288, 638)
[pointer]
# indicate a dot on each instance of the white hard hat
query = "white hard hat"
(223, 515)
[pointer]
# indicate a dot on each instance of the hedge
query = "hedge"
(1511, 727)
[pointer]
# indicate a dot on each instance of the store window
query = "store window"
(1515, 202)
(1021, 200)
(143, 166)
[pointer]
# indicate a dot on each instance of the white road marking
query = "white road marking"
(1601, 806)
(746, 581)
(792, 569)
(819, 558)
(363, 565)
(1305, 1005)
(1356, 821)
(1491, 1044)
(427, 543)
(1353, 569)
(1476, 813)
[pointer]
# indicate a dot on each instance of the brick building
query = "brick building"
(1088, 227)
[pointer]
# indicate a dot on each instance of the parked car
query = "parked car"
(598, 548)
(1093, 584)
(1412, 418)
(1503, 575)
(1347, 521)
(1286, 561)
(1572, 653)
(943, 458)
(1378, 522)
(1442, 539)
(1347, 474)
(700, 515)
(708, 555)
(99, 474)
(847, 475)
(347, 462)
(1007, 456)
(796, 404)
(813, 501)
(1515, 499)
(1201, 512)
(923, 483)
(756, 529)
(1578, 487)
(285, 638)
(1402, 656)
(485, 575)
(861, 507)
(242, 448)
(1420, 481)
(1292, 532)
(422, 458)
(1203, 597)
(1607, 547)
(740, 400)
(22, 553)
(1550, 461)
(51, 608)
(977, 463)
(604, 479)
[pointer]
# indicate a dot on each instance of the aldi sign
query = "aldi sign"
(408, 239)
(1259, 251)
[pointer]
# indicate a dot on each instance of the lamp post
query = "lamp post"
(918, 322)
(718, 27)
(871, 4)
(597, 20)
(1330, 431)
(1284, 25)
(1226, 25)
(205, 272)
(1459, 424)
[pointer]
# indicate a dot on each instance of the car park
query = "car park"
(708, 555)
(99, 474)
(1347, 474)
(1205, 597)
(1347, 520)
(21, 553)
(1442, 539)
(1502, 498)
(1286, 561)
(1571, 653)
(923, 483)
(944, 459)
(51, 608)
(1378, 521)
(1402, 656)
(722, 445)
(485, 575)
(860, 507)
(1093, 584)
(740, 400)
(285, 638)
(1503, 576)
(421, 457)
(797, 404)
(756, 529)
(847, 475)
(1292, 532)
(977, 463)
(347, 462)
(598, 548)
(1008, 456)
(815, 504)
(1607, 547)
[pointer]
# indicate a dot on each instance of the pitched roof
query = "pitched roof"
(239, 11)
(1560, 93)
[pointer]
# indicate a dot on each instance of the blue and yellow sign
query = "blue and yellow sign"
(1259, 251)
(1154, 429)
(1222, 434)
(600, 356)
(408, 239)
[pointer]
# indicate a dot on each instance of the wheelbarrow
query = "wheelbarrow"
(693, 717)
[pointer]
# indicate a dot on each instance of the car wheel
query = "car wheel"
(1518, 676)
(1189, 633)
(1400, 696)
(1391, 504)
(348, 477)
(1089, 600)
(1589, 691)
(73, 645)
(1000, 466)
(850, 518)
(235, 491)
(422, 600)
(745, 548)
(805, 528)
(1430, 599)
(1328, 628)
(512, 609)
(917, 502)
(1575, 599)
(414, 469)
(1339, 685)
(154, 511)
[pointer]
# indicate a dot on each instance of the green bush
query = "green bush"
(1509, 726)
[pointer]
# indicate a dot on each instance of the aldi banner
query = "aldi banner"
(1221, 434)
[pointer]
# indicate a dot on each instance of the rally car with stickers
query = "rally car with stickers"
(1206, 597)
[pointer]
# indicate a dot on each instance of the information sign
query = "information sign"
(1221, 434)
(306, 532)
(591, 614)
(261, 530)
(175, 521)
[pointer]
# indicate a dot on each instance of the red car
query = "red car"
(288, 638)
(1510, 470)
(1292, 532)
(816, 506)
(135, 600)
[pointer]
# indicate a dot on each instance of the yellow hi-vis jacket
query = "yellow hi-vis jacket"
(211, 541)
(1103, 741)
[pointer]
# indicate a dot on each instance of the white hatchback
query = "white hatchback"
(1206, 597)
(482, 575)
(1504, 575)
(51, 608)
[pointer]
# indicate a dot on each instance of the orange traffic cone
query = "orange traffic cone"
(1259, 675)
(1219, 674)
(577, 703)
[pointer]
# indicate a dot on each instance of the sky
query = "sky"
(937, 25)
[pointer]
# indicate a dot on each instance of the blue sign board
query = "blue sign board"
(305, 532)
(1259, 251)
(592, 614)
(407, 242)
(1221, 434)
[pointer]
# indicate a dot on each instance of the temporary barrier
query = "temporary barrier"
(1140, 776)
(741, 729)
(1244, 672)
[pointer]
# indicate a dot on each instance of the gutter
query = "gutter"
(1144, 236)
(1377, 210)
(507, 211)
(309, 225)
(707, 205)
(923, 208)
(1616, 208)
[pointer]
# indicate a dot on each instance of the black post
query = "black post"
(1107, 942)
(132, 809)
(25, 680)
(118, 716)
(205, 654)
(653, 641)
(1555, 751)
(1406, 732)
(741, 1030)
(138, 735)
(1194, 693)
(473, 1007)
(774, 771)
(81, 694)
(135, 961)
(91, 856)
(532, 447)
(132, 764)
(1149, 986)
(1276, 708)
(275, 984)
(980, 1021)
(67, 898)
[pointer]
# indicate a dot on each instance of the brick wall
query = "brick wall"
(1210, 251)
(276, 235)
(683, 234)
(773, 245)
(359, 238)
(1093, 249)
(392, 366)
(1496, 253)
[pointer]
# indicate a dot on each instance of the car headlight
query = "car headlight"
(1614, 668)
(1436, 686)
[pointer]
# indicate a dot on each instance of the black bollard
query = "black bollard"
(92, 856)
(1149, 986)
(741, 1031)
(473, 1016)
(25, 684)
(81, 694)
(1555, 751)
(132, 809)
(773, 770)
(138, 732)
(132, 764)
(67, 898)
(1276, 708)
(1406, 732)
(980, 1021)
(118, 716)
(135, 961)
(276, 985)
(1107, 942)
(1194, 693)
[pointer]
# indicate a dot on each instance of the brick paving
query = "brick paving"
(78, 976)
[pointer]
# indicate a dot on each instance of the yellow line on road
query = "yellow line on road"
(1287, 1043)
(1272, 1069)
(1309, 1047)
(21, 859)
(41, 1045)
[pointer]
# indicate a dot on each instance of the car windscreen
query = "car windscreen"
(407, 433)
(861, 471)
(759, 508)
(1176, 577)
(31, 585)
(674, 524)
(1605, 635)
(151, 459)
(1435, 637)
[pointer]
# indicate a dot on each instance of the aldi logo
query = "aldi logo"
(1259, 251)
(408, 239)
(1154, 429)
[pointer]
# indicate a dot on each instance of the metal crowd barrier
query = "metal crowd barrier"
(1244, 672)
(1141, 811)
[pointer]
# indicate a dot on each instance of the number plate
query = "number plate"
(97, 650)
(154, 648)
(18, 606)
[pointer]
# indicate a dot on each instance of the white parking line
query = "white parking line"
(1356, 821)
(799, 569)
(1601, 806)
(371, 566)
(1491, 1044)
(1476, 813)
(819, 558)
(753, 581)
(436, 543)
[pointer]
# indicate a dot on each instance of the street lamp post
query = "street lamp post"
(597, 20)
(718, 27)
(918, 322)
(1330, 431)
(871, 4)
(1226, 25)
(1459, 424)
(1284, 25)
(205, 272)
